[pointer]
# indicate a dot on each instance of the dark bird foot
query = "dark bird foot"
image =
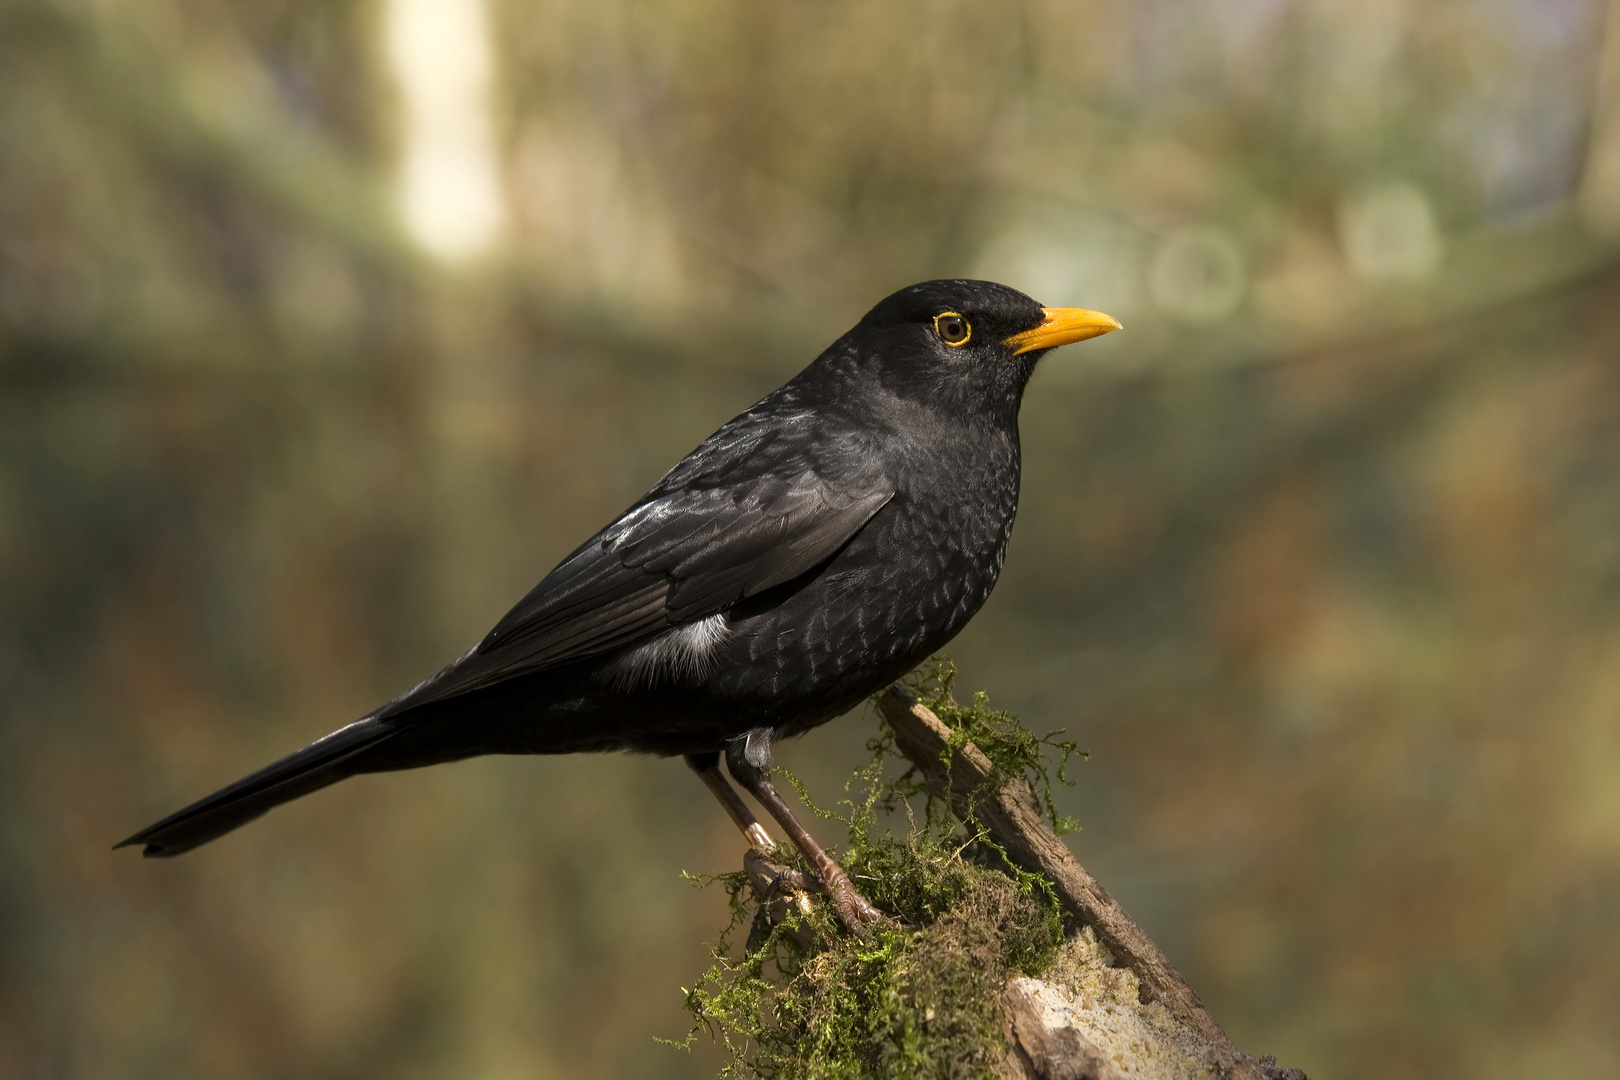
(782, 890)
(858, 913)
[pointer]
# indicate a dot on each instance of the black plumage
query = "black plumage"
(815, 548)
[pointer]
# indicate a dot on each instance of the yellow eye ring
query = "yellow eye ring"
(949, 324)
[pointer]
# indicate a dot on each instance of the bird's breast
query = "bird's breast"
(895, 594)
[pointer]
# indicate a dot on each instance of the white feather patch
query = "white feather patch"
(685, 651)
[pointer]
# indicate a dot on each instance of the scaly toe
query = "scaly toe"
(856, 911)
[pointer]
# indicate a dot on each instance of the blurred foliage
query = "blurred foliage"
(1320, 558)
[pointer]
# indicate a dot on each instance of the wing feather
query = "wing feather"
(683, 553)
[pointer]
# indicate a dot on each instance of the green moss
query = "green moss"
(805, 998)
(1012, 748)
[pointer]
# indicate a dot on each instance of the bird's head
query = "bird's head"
(972, 342)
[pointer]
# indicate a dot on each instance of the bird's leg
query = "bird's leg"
(748, 757)
(707, 766)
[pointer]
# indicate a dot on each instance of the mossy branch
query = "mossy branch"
(1010, 812)
(1007, 958)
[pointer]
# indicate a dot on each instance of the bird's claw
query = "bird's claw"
(775, 886)
(857, 912)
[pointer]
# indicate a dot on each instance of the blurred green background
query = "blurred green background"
(327, 328)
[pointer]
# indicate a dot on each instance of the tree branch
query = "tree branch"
(1012, 816)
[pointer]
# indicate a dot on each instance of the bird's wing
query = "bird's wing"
(679, 555)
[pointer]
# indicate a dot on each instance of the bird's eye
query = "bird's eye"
(953, 329)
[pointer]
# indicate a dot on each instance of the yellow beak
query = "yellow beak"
(1062, 326)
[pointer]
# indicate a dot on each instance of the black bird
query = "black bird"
(811, 551)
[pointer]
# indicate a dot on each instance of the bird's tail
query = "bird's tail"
(323, 762)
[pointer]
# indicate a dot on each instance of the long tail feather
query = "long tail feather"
(323, 762)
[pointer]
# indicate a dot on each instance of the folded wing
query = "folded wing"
(678, 556)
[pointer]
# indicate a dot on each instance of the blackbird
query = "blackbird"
(811, 551)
